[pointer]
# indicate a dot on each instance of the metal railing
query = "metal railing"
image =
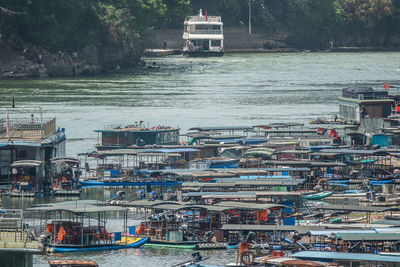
(12, 225)
(203, 18)
(206, 31)
(26, 128)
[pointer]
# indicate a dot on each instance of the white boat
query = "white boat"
(203, 36)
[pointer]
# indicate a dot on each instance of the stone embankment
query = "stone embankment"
(236, 39)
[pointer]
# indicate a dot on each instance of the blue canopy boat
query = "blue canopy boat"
(136, 244)
(72, 226)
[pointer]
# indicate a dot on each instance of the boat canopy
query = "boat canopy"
(26, 163)
(65, 159)
(354, 208)
(270, 228)
(378, 152)
(79, 206)
(222, 128)
(250, 206)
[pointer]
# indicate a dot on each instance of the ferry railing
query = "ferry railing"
(203, 18)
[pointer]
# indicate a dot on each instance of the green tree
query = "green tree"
(311, 23)
(368, 19)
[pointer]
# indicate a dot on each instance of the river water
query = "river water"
(234, 90)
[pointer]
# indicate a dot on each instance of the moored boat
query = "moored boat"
(317, 196)
(73, 233)
(203, 36)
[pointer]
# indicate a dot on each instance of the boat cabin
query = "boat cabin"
(27, 178)
(74, 226)
(65, 175)
(115, 137)
(358, 103)
(35, 138)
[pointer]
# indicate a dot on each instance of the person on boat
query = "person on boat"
(61, 234)
(140, 142)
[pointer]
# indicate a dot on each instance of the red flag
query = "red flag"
(387, 86)
(206, 15)
(7, 123)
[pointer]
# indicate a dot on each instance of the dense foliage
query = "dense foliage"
(65, 24)
(314, 23)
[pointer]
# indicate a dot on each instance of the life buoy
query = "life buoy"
(247, 258)
(325, 181)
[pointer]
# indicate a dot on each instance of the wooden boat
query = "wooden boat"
(65, 176)
(336, 220)
(183, 245)
(74, 234)
(119, 245)
(72, 263)
(317, 196)
(90, 182)
(28, 179)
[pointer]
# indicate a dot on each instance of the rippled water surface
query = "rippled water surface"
(237, 89)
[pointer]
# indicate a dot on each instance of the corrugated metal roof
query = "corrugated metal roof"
(335, 231)
(352, 208)
(368, 236)
(221, 128)
(249, 205)
(79, 206)
(355, 151)
(322, 255)
(269, 228)
(150, 204)
(175, 150)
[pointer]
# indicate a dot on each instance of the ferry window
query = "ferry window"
(215, 42)
(201, 27)
(107, 135)
(216, 27)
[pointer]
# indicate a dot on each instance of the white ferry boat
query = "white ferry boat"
(203, 36)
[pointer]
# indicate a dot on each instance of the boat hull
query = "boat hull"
(203, 54)
(317, 196)
(152, 183)
(164, 245)
(136, 244)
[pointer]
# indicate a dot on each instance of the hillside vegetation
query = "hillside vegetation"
(69, 37)
(64, 24)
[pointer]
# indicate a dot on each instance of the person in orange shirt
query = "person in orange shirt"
(61, 234)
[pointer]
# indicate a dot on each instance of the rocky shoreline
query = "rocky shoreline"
(36, 62)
